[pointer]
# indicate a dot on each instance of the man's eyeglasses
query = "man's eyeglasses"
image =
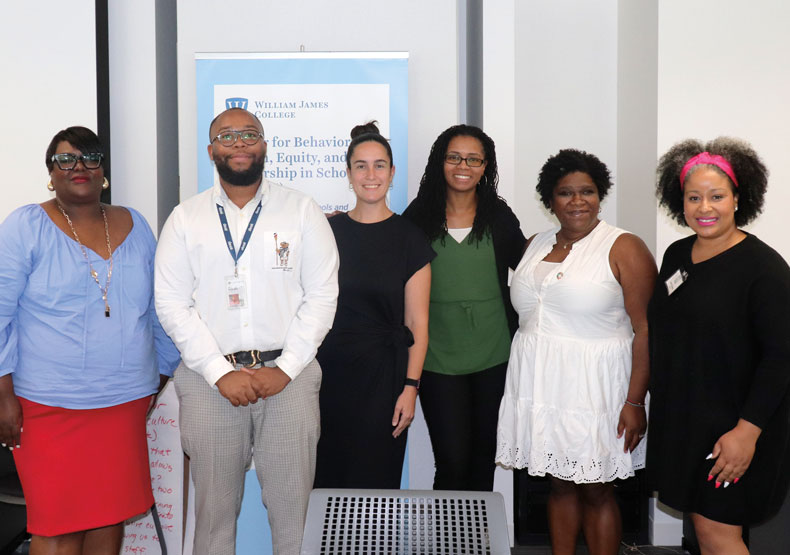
(67, 161)
(229, 138)
(472, 161)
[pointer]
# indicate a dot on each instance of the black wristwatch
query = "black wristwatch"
(412, 382)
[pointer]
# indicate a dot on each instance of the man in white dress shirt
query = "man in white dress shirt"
(246, 286)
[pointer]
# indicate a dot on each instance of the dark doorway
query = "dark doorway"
(531, 495)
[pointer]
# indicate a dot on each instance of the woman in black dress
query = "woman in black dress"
(719, 324)
(372, 358)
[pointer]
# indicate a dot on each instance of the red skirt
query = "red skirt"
(83, 469)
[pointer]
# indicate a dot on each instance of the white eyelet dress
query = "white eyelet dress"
(569, 367)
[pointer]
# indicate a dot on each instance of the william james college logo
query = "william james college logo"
(236, 102)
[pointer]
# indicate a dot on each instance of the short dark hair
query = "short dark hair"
(429, 209)
(211, 125)
(567, 161)
(362, 134)
(749, 170)
(81, 138)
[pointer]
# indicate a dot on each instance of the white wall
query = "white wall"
(637, 76)
(499, 90)
(724, 69)
(48, 70)
(133, 90)
(565, 94)
(499, 103)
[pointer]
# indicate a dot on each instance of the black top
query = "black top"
(365, 355)
(509, 244)
(720, 351)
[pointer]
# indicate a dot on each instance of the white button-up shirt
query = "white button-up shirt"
(289, 268)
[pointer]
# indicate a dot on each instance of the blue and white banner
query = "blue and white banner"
(308, 103)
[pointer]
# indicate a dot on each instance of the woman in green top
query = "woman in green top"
(476, 238)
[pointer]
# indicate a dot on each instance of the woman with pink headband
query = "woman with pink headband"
(719, 324)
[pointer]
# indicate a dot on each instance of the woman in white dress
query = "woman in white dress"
(574, 403)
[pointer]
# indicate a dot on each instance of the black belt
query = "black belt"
(248, 359)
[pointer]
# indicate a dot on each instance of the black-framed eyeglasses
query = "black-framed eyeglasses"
(472, 161)
(229, 138)
(67, 161)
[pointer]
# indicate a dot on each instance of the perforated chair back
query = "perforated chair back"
(360, 521)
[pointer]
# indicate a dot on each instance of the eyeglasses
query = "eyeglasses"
(68, 161)
(472, 161)
(229, 138)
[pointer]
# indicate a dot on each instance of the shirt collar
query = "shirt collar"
(219, 196)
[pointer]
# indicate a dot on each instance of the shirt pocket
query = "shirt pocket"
(281, 250)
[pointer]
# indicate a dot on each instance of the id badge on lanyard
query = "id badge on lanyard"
(236, 291)
(236, 285)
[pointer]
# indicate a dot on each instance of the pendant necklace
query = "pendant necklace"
(566, 245)
(94, 274)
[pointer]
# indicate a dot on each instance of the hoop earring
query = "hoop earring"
(50, 186)
(105, 184)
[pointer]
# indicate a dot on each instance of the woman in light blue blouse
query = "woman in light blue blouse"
(81, 354)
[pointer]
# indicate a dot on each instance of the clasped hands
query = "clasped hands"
(247, 385)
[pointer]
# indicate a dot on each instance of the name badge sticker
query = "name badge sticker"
(236, 292)
(676, 280)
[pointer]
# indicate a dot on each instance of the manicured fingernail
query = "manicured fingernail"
(735, 481)
(726, 484)
(718, 484)
(709, 457)
(710, 477)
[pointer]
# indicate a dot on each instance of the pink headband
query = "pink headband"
(708, 158)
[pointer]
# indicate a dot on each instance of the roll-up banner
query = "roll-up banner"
(307, 104)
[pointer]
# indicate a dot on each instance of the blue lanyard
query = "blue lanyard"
(245, 240)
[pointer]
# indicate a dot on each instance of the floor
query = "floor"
(624, 550)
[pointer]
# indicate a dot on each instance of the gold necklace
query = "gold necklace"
(94, 274)
(566, 245)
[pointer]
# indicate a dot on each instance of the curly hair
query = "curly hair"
(429, 208)
(567, 161)
(751, 173)
(81, 138)
(362, 134)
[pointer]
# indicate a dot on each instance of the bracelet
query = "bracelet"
(631, 403)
